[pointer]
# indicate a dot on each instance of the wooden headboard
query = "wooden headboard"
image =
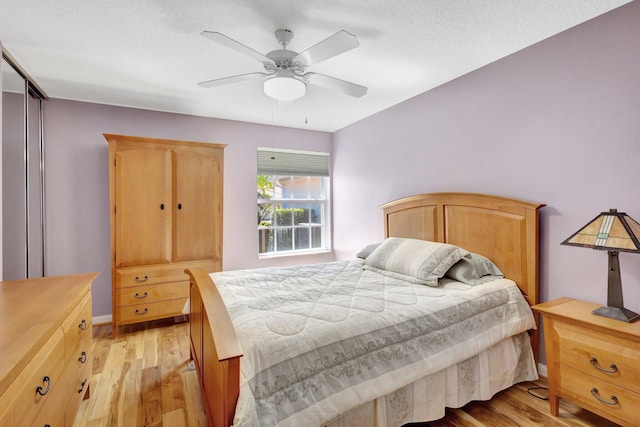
(504, 230)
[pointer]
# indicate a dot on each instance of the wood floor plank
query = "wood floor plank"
(150, 409)
(145, 377)
(175, 418)
(127, 408)
(151, 352)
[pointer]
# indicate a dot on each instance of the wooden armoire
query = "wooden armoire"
(166, 216)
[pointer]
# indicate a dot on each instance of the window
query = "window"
(292, 189)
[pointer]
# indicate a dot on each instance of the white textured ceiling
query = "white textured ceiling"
(150, 54)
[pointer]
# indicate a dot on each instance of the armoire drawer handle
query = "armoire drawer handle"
(82, 386)
(40, 390)
(613, 400)
(142, 312)
(83, 325)
(161, 206)
(83, 357)
(179, 206)
(137, 295)
(612, 368)
(144, 279)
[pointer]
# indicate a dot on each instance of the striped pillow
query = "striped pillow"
(420, 261)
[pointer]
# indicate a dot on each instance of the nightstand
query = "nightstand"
(592, 361)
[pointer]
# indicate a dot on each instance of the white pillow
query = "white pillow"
(474, 270)
(423, 261)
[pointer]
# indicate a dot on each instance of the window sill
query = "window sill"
(293, 253)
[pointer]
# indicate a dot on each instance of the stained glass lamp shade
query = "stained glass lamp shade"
(611, 231)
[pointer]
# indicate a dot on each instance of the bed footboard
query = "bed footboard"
(214, 349)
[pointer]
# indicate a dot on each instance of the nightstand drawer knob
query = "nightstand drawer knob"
(612, 368)
(613, 400)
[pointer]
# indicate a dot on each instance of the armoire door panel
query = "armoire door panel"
(197, 207)
(143, 207)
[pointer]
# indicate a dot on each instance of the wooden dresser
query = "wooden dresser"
(166, 216)
(592, 360)
(45, 348)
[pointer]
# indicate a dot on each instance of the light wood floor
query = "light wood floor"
(145, 378)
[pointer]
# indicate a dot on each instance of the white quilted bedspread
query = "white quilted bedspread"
(321, 339)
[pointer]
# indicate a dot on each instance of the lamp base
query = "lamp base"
(622, 314)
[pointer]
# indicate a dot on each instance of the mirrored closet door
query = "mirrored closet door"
(22, 174)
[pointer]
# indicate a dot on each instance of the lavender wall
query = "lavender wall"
(77, 183)
(1, 205)
(556, 123)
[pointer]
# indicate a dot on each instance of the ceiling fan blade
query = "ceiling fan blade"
(232, 79)
(336, 44)
(343, 86)
(235, 45)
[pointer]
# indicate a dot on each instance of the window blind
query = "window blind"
(290, 162)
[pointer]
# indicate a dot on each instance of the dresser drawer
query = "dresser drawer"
(151, 311)
(36, 384)
(152, 293)
(598, 396)
(76, 384)
(601, 355)
(77, 326)
(81, 355)
(51, 414)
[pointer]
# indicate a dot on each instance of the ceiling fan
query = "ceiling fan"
(285, 78)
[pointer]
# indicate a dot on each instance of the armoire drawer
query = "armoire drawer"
(140, 276)
(151, 311)
(151, 293)
(34, 387)
(159, 273)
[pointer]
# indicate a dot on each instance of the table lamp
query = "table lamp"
(611, 231)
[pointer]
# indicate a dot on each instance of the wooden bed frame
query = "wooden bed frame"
(504, 230)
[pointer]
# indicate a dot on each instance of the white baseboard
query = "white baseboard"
(542, 370)
(101, 320)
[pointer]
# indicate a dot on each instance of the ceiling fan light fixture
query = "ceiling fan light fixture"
(284, 88)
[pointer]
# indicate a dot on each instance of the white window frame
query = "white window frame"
(292, 173)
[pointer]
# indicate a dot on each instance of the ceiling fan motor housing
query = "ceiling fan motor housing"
(283, 60)
(284, 36)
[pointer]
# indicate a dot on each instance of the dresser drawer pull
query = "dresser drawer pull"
(39, 389)
(613, 400)
(82, 386)
(83, 325)
(142, 312)
(612, 368)
(137, 295)
(83, 357)
(144, 279)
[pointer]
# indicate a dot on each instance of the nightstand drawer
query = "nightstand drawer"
(599, 354)
(600, 396)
